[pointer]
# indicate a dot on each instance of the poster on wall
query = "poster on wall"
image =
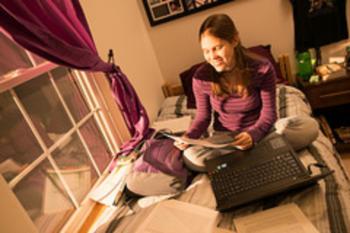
(161, 11)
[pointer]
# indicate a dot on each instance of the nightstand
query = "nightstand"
(330, 102)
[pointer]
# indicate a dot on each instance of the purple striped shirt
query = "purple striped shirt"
(254, 114)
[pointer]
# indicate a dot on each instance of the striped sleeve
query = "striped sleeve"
(268, 116)
(203, 113)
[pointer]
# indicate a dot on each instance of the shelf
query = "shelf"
(325, 94)
(330, 102)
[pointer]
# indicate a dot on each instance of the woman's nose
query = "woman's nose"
(213, 55)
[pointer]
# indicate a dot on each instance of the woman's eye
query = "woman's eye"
(217, 47)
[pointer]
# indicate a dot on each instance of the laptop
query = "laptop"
(269, 168)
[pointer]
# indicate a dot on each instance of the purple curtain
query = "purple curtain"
(58, 31)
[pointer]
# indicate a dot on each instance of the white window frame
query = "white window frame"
(102, 108)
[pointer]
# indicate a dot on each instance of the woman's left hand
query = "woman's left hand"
(243, 141)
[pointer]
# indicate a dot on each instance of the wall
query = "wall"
(259, 22)
(151, 56)
(120, 25)
(13, 217)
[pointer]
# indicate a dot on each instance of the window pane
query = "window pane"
(76, 166)
(44, 107)
(12, 56)
(44, 198)
(71, 93)
(96, 144)
(18, 147)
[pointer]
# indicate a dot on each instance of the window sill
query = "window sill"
(20, 76)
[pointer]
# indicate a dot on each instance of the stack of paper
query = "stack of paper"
(109, 191)
(209, 142)
(175, 216)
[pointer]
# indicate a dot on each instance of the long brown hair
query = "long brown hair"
(222, 27)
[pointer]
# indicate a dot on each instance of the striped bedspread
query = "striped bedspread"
(327, 205)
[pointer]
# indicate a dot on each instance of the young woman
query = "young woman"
(237, 88)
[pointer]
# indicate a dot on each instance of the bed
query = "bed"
(326, 205)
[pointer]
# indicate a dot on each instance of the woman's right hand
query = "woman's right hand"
(243, 141)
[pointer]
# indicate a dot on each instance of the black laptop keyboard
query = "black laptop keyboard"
(230, 182)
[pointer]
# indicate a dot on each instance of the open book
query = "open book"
(216, 141)
(174, 216)
(287, 219)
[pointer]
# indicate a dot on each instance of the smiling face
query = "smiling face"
(218, 52)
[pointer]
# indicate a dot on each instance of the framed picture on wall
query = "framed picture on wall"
(161, 11)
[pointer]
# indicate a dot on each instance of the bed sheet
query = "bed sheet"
(327, 205)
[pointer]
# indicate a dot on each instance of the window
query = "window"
(16, 57)
(55, 137)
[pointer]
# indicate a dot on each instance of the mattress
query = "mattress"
(326, 205)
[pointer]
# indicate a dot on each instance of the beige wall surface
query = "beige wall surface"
(120, 25)
(151, 56)
(258, 21)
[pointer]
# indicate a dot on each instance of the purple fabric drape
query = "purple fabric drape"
(58, 31)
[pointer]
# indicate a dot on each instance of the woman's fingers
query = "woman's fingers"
(243, 140)
(180, 145)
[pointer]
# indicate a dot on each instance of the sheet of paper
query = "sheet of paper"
(201, 142)
(112, 186)
(176, 125)
(175, 216)
(287, 219)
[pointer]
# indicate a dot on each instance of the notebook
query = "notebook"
(269, 168)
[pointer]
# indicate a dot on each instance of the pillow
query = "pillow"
(186, 81)
(265, 51)
(187, 75)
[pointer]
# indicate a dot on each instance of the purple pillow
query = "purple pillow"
(186, 81)
(163, 155)
(187, 75)
(265, 51)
